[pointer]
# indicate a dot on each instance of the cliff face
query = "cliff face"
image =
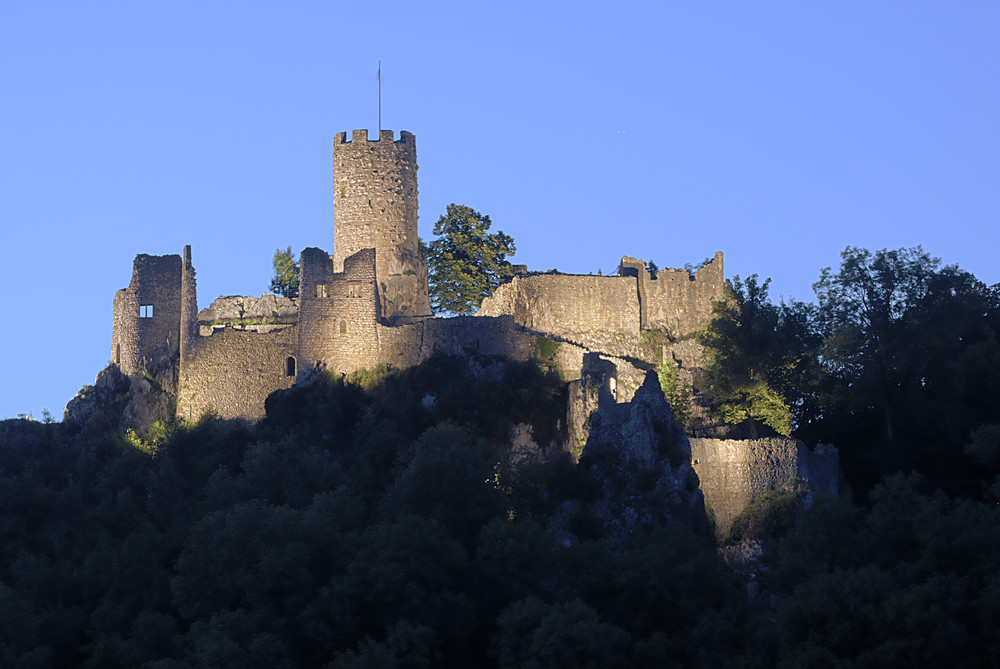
(126, 401)
(640, 459)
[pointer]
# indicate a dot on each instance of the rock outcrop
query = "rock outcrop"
(640, 459)
(124, 401)
(239, 307)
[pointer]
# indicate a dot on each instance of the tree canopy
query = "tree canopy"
(286, 273)
(893, 365)
(356, 526)
(467, 262)
(757, 354)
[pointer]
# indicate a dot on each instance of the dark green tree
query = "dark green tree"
(467, 262)
(286, 273)
(908, 352)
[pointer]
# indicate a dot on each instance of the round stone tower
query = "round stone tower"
(375, 206)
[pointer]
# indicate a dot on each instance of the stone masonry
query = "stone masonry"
(375, 207)
(734, 472)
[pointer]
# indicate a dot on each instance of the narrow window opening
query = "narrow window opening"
(290, 366)
(322, 290)
(353, 290)
(343, 188)
(145, 311)
(343, 327)
(118, 354)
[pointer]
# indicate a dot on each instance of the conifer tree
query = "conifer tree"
(467, 262)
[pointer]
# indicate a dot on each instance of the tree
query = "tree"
(761, 358)
(286, 273)
(466, 263)
(909, 351)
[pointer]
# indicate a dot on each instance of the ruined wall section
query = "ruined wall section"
(338, 312)
(375, 206)
(679, 303)
(147, 314)
(231, 372)
(735, 472)
(585, 310)
(604, 380)
(189, 305)
(125, 331)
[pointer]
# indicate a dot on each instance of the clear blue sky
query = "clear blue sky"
(777, 132)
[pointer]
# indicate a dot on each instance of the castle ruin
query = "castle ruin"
(368, 304)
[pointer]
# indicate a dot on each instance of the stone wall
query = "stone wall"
(571, 307)
(675, 301)
(375, 206)
(587, 309)
(734, 473)
(338, 312)
(233, 371)
(135, 335)
(680, 303)
(125, 331)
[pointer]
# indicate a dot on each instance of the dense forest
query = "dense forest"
(379, 520)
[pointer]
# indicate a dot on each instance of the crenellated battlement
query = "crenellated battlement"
(375, 207)
(406, 139)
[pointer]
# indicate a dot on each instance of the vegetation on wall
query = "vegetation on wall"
(677, 392)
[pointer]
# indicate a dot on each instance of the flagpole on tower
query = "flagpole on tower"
(380, 97)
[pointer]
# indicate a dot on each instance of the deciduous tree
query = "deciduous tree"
(759, 355)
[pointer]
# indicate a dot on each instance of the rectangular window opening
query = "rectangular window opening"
(322, 290)
(145, 311)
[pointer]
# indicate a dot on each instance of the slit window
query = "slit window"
(145, 311)
(290, 366)
(322, 290)
(343, 188)
(343, 327)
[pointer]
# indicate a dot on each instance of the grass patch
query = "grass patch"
(651, 343)
(369, 378)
